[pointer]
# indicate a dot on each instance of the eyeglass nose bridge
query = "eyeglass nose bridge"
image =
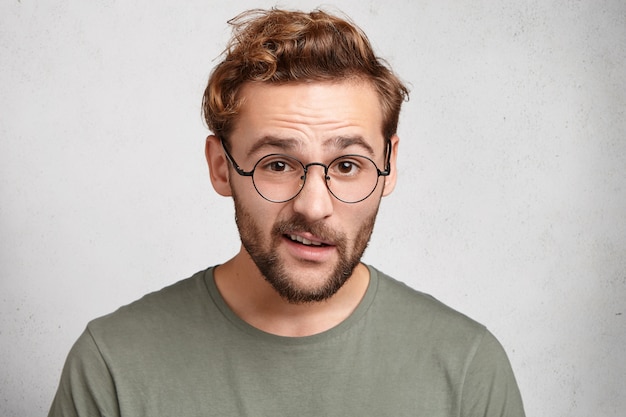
(306, 171)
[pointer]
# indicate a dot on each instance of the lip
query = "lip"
(320, 252)
(310, 238)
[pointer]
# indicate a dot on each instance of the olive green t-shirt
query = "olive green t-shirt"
(182, 352)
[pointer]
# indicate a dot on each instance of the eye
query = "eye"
(277, 164)
(346, 167)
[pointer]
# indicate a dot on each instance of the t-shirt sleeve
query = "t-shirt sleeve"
(86, 387)
(489, 387)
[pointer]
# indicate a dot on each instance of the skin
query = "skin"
(310, 121)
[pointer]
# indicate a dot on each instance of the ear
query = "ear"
(218, 166)
(390, 180)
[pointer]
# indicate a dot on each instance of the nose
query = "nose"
(314, 201)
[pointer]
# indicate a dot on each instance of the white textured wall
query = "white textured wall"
(511, 205)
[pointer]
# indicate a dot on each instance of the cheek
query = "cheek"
(245, 195)
(362, 217)
(258, 212)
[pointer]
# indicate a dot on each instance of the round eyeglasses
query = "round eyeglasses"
(279, 178)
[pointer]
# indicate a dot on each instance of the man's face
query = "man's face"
(307, 248)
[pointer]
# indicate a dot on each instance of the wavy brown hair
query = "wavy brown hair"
(278, 46)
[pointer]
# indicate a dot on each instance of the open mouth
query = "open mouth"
(305, 241)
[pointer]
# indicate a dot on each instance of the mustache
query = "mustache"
(318, 229)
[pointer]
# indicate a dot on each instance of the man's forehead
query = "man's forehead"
(343, 112)
(356, 83)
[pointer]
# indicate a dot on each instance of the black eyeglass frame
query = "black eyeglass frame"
(245, 173)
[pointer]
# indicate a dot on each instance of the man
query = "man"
(304, 121)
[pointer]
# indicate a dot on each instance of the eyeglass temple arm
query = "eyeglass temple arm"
(387, 170)
(235, 165)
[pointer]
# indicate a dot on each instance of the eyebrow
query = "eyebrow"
(343, 142)
(285, 144)
(290, 144)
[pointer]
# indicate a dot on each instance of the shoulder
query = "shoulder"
(424, 327)
(156, 313)
(421, 316)
(427, 336)
(398, 297)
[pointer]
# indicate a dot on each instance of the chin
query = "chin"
(298, 289)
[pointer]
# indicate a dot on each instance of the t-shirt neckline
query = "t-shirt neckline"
(339, 329)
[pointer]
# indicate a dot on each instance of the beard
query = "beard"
(273, 268)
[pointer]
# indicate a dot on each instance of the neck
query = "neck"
(255, 301)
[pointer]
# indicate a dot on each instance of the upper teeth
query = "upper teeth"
(304, 241)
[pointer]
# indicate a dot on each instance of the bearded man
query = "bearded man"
(304, 139)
